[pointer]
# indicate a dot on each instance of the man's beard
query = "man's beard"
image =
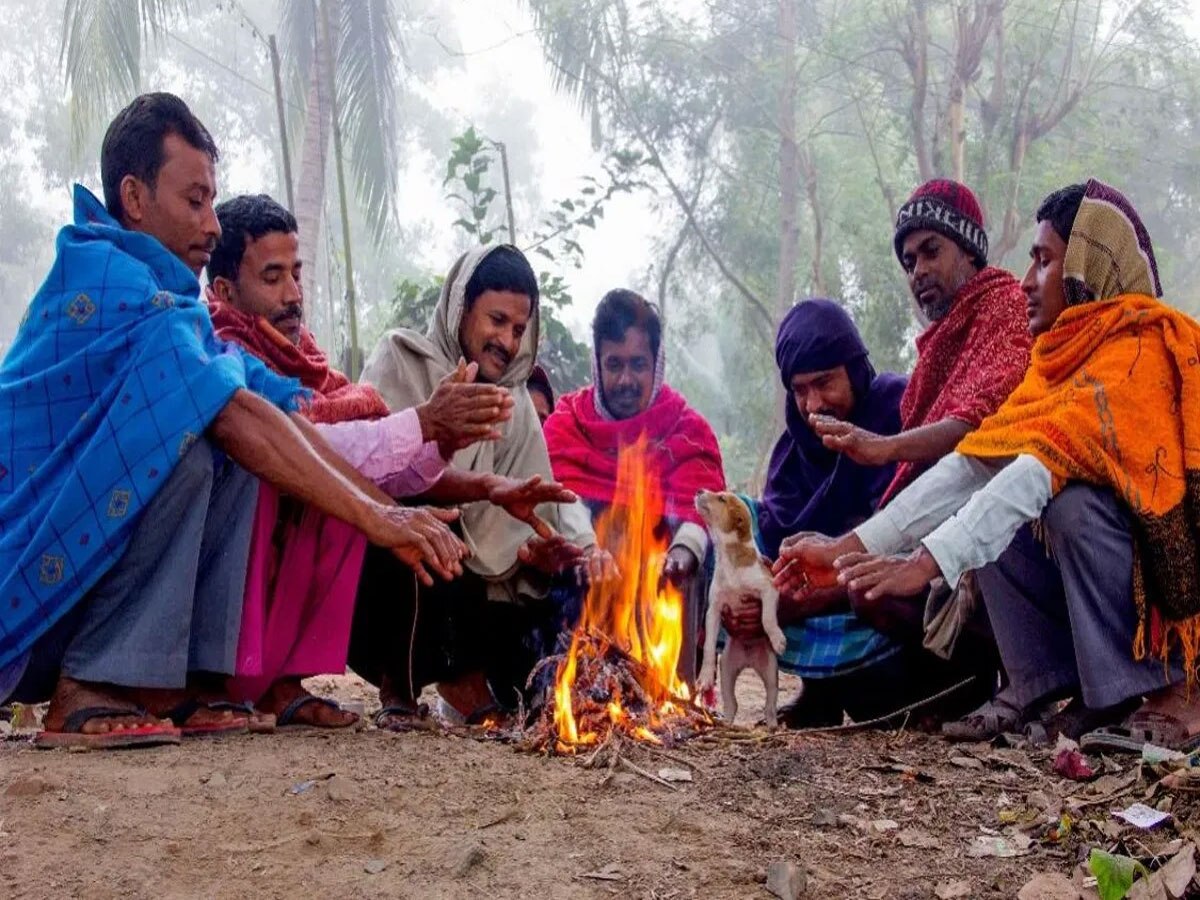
(936, 310)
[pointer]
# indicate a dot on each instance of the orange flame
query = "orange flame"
(632, 613)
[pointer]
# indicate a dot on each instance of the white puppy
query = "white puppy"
(740, 572)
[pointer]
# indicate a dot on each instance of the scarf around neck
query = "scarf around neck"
(334, 397)
(1112, 398)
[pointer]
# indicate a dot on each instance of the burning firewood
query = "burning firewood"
(619, 674)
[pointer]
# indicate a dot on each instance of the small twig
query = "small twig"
(638, 770)
(674, 757)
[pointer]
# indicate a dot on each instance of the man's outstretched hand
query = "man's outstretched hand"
(887, 576)
(419, 537)
(461, 411)
(806, 561)
(864, 447)
(520, 498)
(555, 555)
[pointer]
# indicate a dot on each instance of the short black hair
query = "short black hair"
(243, 218)
(503, 269)
(539, 380)
(621, 309)
(133, 144)
(1060, 209)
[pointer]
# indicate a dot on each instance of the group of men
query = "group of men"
(197, 511)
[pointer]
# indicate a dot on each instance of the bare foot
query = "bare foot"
(71, 696)
(1174, 703)
(189, 709)
(319, 715)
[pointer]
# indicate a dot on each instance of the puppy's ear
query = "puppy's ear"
(739, 519)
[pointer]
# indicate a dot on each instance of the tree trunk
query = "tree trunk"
(811, 184)
(354, 356)
(958, 128)
(789, 228)
(310, 188)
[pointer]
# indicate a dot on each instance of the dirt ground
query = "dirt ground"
(371, 814)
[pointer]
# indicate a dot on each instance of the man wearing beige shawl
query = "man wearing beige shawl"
(479, 636)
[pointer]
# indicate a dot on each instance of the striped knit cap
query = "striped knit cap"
(950, 209)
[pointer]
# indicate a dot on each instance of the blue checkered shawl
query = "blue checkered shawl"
(114, 372)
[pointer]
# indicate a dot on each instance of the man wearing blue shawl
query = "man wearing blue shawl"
(849, 668)
(130, 438)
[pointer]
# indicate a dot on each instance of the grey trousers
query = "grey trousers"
(172, 604)
(1064, 620)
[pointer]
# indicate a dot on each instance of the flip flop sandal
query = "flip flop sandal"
(183, 712)
(287, 718)
(405, 717)
(1141, 729)
(257, 721)
(1076, 720)
(72, 735)
(993, 718)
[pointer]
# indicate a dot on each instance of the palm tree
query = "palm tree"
(341, 57)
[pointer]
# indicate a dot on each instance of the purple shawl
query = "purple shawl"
(810, 488)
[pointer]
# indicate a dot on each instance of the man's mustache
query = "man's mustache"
(291, 311)
(499, 351)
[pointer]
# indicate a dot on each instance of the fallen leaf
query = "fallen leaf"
(953, 890)
(786, 880)
(1148, 888)
(1114, 874)
(1179, 871)
(1001, 846)
(882, 825)
(610, 872)
(1048, 886)
(966, 762)
(823, 818)
(914, 837)
(673, 775)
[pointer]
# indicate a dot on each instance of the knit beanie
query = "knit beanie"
(950, 209)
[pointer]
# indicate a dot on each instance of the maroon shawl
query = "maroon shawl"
(335, 398)
(968, 362)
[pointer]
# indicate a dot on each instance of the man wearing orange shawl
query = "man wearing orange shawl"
(1099, 443)
(627, 400)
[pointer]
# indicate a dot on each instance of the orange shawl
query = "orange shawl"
(1112, 398)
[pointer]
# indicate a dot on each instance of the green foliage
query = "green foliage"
(1114, 874)
(1052, 94)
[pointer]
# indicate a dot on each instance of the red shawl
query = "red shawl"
(335, 398)
(583, 449)
(967, 362)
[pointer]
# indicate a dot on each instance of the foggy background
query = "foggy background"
(722, 157)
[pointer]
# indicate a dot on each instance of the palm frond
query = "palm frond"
(366, 56)
(101, 55)
(297, 42)
(574, 39)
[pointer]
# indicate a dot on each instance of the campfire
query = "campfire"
(619, 676)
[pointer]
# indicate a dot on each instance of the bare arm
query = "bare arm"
(928, 443)
(268, 444)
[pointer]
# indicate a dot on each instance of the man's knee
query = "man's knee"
(1080, 508)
